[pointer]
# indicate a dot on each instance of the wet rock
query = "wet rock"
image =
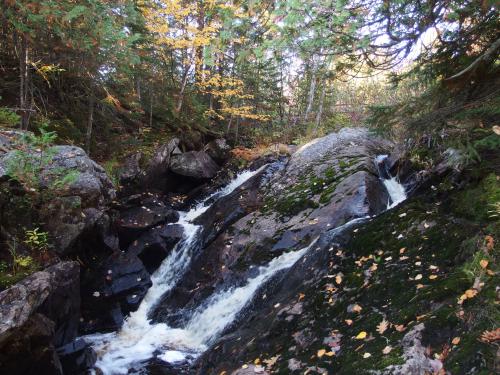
(77, 357)
(218, 150)
(136, 220)
(31, 350)
(154, 246)
(112, 291)
(195, 164)
(36, 313)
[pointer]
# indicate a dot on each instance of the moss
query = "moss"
(481, 202)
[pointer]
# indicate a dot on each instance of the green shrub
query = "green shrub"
(8, 118)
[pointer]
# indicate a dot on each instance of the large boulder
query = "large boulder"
(37, 315)
(195, 164)
(111, 291)
(155, 245)
(135, 220)
(156, 173)
(66, 208)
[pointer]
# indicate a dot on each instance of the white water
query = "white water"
(396, 190)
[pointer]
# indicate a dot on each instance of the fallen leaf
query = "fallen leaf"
(361, 335)
(348, 322)
(483, 263)
(357, 308)
(382, 326)
(257, 361)
(244, 366)
(321, 353)
(490, 243)
(399, 327)
(387, 349)
(301, 296)
(402, 250)
(455, 340)
(338, 279)
(432, 277)
(490, 336)
(330, 354)
(418, 277)
(419, 286)
(367, 355)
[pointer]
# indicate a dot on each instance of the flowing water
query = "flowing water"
(141, 339)
(396, 190)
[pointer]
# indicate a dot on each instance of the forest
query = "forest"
(249, 186)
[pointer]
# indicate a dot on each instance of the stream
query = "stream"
(141, 339)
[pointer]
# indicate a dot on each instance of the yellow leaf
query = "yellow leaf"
(361, 335)
(330, 354)
(321, 353)
(432, 277)
(470, 293)
(455, 340)
(483, 263)
(257, 361)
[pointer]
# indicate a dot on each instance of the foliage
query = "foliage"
(37, 240)
(8, 118)
(31, 164)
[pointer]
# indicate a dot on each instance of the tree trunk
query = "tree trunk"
(237, 131)
(150, 108)
(90, 121)
(181, 92)
(229, 124)
(312, 90)
(24, 82)
(319, 114)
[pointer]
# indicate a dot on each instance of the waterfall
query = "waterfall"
(139, 338)
(395, 189)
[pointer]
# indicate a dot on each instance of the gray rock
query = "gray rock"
(67, 210)
(218, 149)
(195, 164)
(36, 313)
(131, 171)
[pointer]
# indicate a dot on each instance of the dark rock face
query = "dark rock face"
(195, 164)
(36, 315)
(137, 219)
(154, 246)
(112, 291)
(156, 173)
(76, 357)
(218, 150)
